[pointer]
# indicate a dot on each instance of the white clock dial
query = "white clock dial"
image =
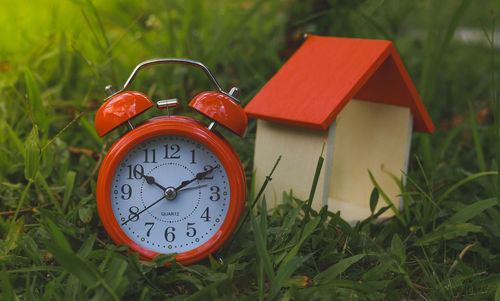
(155, 205)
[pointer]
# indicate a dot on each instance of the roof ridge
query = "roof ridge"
(325, 73)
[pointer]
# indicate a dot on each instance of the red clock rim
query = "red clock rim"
(173, 125)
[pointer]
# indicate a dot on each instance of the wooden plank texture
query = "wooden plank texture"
(300, 149)
(368, 136)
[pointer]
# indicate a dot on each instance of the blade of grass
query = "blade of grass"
(35, 101)
(91, 130)
(95, 12)
(206, 291)
(102, 37)
(398, 249)
(63, 130)
(162, 259)
(260, 279)
(405, 196)
(305, 233)
(460, 256)
(31, 154)
(386, 34)
(463, 181)
(263, 220)
(313, 188)
(429, 271)
(115, 275)
(23, 197)
(191, 8)
(335, 270)
(266, 181)
(387, 200)
(261, 246)
(87, 246)
(373, 200)
(40, 180)
(8, 292)
(41, 268)
(259, 194)
(123, 34)
(494, 95)
(219, 49)
(15, 139)
(70, 182)
(84, 270)
(284, 272)
(475, 136)
(12, 239)
(57, 235)
(471, 211)
(435, 48)
(448, 231)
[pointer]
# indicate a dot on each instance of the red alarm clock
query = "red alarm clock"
(171, 184)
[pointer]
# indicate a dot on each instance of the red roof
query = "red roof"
(320, 78)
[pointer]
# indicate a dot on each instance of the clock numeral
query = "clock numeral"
(133, 216)
(151, 227)
(147, 155)
(136, 172)
(191, 231)
(205, 215)
(215, 193)
(126, 191)
(192, 157)
(174, 150)
(169, 236)
(208, 167)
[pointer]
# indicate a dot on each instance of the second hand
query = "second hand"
(137, 214)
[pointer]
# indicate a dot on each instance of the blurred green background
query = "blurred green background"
(56, 57)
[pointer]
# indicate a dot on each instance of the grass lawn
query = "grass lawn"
(56, 57)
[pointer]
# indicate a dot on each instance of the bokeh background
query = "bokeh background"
(56, 57)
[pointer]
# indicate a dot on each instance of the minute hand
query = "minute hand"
(199, 176)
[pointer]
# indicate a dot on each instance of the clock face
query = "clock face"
(170, 194)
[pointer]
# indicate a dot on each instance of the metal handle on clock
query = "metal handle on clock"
(176, 61)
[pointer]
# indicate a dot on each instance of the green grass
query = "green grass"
(56, 57)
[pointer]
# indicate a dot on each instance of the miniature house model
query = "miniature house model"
(350, 98)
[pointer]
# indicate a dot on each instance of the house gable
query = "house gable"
(325, 73)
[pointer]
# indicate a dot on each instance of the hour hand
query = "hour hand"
(199, 176)
(151, 180)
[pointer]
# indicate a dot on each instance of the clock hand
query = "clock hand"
(151, 180)
(137, 214)
(194, 187)
(199, 176)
